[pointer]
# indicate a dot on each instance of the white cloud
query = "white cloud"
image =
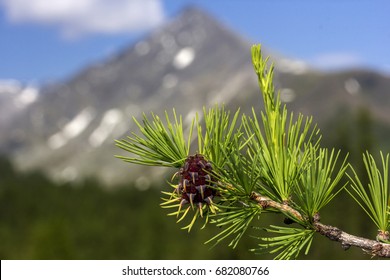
(336, 60)
(78, 17)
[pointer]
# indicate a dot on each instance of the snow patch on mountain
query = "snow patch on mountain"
(184, 58)
(72, 129)
(107, 125)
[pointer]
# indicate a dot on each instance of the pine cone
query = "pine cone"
(195, 181)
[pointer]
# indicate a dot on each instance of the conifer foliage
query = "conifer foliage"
(271, 161)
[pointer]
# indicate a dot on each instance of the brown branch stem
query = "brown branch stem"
(372, 247)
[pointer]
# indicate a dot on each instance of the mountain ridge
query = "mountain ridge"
(190, 62)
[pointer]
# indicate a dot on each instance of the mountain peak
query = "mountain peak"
(190, 62)
(191, 12)
(191, 9)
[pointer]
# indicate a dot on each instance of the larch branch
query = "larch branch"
(372, 247)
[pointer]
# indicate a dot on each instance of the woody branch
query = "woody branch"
(372, 247)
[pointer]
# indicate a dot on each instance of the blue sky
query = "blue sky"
(48, 40)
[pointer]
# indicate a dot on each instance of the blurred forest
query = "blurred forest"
(40, 219)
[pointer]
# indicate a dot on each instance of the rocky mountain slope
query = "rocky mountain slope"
(68, 130)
